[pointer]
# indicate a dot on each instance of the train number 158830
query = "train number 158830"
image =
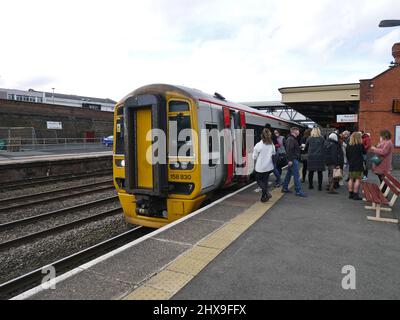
(181, 176)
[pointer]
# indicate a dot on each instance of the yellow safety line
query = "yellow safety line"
(165, 284)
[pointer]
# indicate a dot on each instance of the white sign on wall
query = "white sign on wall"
(54, 125)
(347, 118)
(397, 136)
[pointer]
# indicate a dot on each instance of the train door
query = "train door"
(228, 145)
(143, 125)
(141, 114)
(207, 135)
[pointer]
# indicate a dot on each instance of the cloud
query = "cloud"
(245, 50)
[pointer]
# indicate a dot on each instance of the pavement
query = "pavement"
(53, 154)
(298, 250)
(240, 248)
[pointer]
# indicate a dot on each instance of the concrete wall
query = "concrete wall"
(75, 121)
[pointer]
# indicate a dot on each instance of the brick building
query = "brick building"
(379, 98)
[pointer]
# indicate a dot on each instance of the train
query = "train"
(174, 147)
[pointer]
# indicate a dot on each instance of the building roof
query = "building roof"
(76, 97)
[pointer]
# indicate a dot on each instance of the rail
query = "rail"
(17, 144)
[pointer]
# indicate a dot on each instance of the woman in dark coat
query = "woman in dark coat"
(355, 155)
(303, 154)
(316, 162)
(334, 159)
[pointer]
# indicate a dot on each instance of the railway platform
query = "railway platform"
(240, 248)
(25, 166)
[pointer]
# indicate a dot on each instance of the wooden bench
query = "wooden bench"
(379, 200)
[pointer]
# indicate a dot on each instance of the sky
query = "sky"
(245, 50)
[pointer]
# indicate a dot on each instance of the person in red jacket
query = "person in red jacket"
(366, 141)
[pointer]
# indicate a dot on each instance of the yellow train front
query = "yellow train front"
(159, 148)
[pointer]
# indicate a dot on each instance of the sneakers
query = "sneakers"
(277, 184)
(301, 194)
(286, 190)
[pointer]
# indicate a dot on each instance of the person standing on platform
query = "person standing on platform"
(264, 165)
(293, 155)
(384, 150)
(276, 171)
(281, 156)
(355, 155)
(366, 140)
(315, 150)
(345, 143)
(303, 153)
(333, 159)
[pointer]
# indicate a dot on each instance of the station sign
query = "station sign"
(54, 125)
(342, 118)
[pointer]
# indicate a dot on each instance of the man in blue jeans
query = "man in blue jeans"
(293, 155)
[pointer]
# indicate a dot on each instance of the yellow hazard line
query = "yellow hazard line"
(165, 284)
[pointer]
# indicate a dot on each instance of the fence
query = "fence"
(15, 144)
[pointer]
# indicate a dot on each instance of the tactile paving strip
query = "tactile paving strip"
(177, 274)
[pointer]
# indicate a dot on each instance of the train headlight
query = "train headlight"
(184, 165)
(176, 165)
(120, 163)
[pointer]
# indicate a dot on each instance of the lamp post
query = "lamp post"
(389, 23)
(396, 46)
(53, 94)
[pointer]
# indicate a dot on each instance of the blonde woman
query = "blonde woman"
(315, 150)
(264, 165)
(355, 156)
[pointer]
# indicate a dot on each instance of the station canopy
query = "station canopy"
(322, 103)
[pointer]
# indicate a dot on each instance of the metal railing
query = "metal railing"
(22, 144)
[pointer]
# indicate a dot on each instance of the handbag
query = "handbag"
(282, 160)
(304, 157)
(337, 174)
(375, 159)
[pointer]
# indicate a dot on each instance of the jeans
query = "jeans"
(277, 172)
(262, 180)
(293, 170)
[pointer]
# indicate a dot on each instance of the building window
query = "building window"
(10, 96)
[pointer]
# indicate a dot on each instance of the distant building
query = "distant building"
(58, 99)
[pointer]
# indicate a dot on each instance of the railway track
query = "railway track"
(6, 186)
(35, 218)
(47, 232)
(52, 195)
(25, 282)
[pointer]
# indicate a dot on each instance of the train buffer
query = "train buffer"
(319, 247)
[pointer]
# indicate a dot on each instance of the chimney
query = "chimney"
(396, 53)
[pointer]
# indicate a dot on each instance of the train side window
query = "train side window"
(213, 139)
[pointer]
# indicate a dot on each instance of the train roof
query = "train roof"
(205, 97)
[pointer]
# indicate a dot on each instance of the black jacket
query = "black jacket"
(333, 153)
(292, 148)
(315, 150)
(355, 158)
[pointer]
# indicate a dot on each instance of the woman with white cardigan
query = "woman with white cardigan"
(264, 165)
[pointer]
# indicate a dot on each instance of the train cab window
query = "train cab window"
(212, 137)
(180, 136)
(119, 138)
(178, 106)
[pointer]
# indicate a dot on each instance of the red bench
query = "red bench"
(379, 200)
